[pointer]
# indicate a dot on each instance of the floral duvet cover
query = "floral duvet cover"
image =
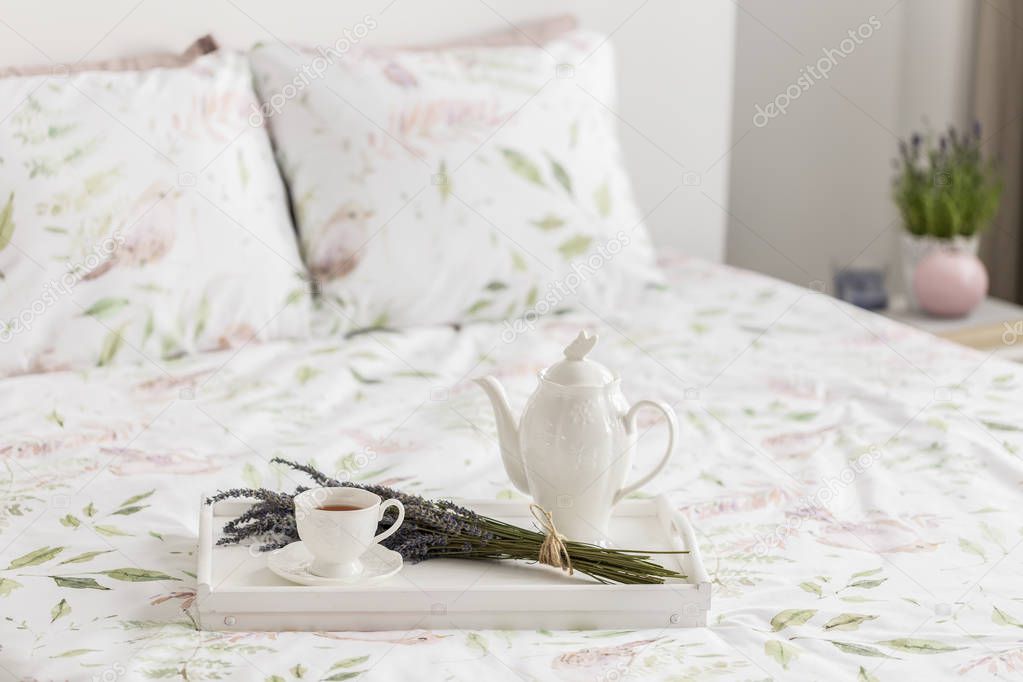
(855, 486)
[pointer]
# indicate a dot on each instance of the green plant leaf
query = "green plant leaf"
(859, 649)
(782, 652)
(971, 548)
(82, 558)
(518, 262)
(864, 676)
(443, 182)
(105, 307)
(77, 583)
(7, 586)
(61, 609)
(868, 584)
(128, 511)
(110, 531)
(7, 222)
(136, 575)
(522, 166)
(478, 306)
(363, 379)
(349, 663)
(602, 200)
(478, 642)
(531, 297)
(147, 330)
(137, 498)
(338, 677)
(576, 246)
(549, 222)
(305, 373)
(919, 646)
(75, 652)
(70, 521)
(1000, 617)
(847, 621)
(561, 175)
(202, 315)
(41, 555)
(791, 618)
(999, 426)
(811, 587)
(111, 344)
(864, 574)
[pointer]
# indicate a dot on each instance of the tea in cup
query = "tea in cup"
(338, 525)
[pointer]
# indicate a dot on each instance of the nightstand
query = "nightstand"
(994, 325)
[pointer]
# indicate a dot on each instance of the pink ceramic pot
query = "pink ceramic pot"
(949, 283)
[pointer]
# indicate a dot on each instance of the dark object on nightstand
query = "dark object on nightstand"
(863, 288)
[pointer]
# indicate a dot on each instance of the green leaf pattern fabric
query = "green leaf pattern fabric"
(129, 232)
(453, 168)
(847, 536)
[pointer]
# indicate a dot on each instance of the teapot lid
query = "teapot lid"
(575, 369)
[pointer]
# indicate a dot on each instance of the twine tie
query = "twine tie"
(553, 551)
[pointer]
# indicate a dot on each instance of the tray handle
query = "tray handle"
(682, 528)
(204, 572)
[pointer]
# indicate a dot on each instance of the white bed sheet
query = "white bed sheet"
(855, 485)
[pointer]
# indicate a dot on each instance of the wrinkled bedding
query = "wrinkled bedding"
(855, 486)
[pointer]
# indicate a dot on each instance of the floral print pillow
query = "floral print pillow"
(142, 217)
(457, 184)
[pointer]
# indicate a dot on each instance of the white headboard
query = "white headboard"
(675, 62)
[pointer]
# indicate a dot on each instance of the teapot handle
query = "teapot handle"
(630, 426)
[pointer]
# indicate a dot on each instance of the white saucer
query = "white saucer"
(292, 563)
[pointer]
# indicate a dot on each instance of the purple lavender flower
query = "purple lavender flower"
(433, 529)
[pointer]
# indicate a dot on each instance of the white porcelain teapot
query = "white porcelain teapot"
(575, 443)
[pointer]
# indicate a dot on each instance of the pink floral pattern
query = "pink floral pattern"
(862, 527)
(457, 184)
(145, 219)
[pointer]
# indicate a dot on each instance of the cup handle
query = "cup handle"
(630, 427)
(394, 526)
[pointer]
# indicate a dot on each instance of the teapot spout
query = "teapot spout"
(507, 432)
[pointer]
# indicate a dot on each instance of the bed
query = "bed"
(853, 483)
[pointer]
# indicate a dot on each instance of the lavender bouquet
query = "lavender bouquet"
(435, 529)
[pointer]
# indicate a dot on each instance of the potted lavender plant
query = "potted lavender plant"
(947, 194)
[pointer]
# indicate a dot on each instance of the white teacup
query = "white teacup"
(337, 539)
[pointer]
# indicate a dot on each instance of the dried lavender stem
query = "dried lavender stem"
(437, 529)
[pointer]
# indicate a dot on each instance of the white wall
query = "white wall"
(811, 189)
(674, 57)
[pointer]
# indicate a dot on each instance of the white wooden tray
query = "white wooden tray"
(238, 592)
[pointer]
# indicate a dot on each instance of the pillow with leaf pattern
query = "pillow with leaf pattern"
(142, 217)
(455, 184)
